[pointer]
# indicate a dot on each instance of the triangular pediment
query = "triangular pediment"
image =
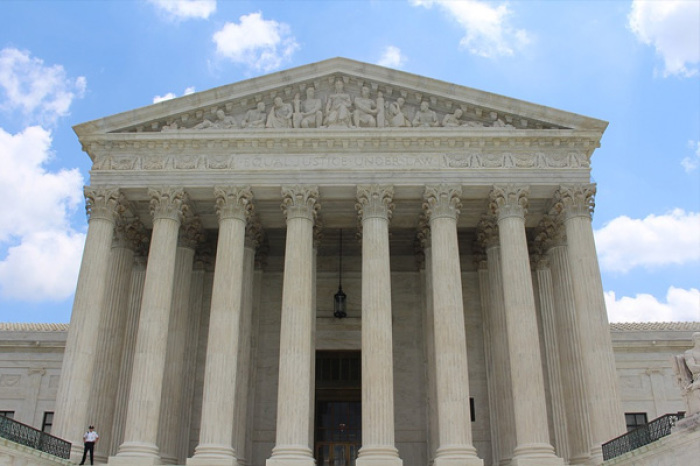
(339, 94)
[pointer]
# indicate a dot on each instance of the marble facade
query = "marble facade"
(201, 306)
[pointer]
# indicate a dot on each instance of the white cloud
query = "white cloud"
(680, 306)
(657, 240)
(263, 45)
(692, 162)
(186, 9)
(43, 260)
(487, 29)
(672, 27)
(42, 93)
(170, 95)
(392, 57)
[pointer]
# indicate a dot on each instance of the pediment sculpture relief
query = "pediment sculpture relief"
(687, 369)
(334, 104)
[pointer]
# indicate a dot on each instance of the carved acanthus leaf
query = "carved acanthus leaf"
(300, 201)
(442, 201)
(234, 202)
(509, 200)
(374, 201)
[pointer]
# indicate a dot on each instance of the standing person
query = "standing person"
(90, 438)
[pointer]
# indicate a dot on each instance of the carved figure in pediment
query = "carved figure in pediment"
(501, 124)
(425, 116)
(365, 110)
(309, 113)
(170, 126)
(396, 117)
(687, 369)
(453, 120)
(255, 118)
(280, 115)
(338, 108)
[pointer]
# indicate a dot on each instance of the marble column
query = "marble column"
(374, 207)
(143, 413)
(72, 408)
(129, 233)
(138, 276)
(191, 235)
(241, 426)
(500, 384)
(297, 347)
(234, 206)
(607, 421)
(569, 339)
(558, 403)
(442, 204)
(529, 403)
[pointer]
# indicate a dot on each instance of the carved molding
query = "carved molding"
(168, 203)
(233, 202)
(102, 203)
(374, 201)
(442, 201)
(300, 202)
(509, 201)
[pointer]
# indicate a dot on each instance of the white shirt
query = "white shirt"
(90, 436)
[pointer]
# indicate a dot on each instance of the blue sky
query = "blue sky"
(632, 63)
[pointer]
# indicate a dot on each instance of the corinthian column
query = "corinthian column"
(72, 410)
(297, 345)
(499, 382)
(233, 205)
(143, 412)
(607, 422)
(374, 207)
(529, 405)
(455, 447)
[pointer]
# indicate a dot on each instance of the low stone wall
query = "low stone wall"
(680, 448)
(14, 454)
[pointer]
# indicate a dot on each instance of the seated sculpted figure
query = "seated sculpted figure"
(452, 120)
(396, 116)
(365, 110)
(425, 116)
(310, 114)
(687, 369)
(338, 108)
(220, 121)
(256, 117)
(280, 115)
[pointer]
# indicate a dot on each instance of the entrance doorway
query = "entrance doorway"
(338, 419)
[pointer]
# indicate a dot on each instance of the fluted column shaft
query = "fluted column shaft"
(374, 205)
(143, 414)
(571, 360)
(297, 346)
(234, 205)
(174, 379)
(607, 420)
(442, 206)
(105, 382)
(529, 407)
(72, 401)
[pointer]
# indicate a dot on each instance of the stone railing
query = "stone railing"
(33, 438)
(644, 435)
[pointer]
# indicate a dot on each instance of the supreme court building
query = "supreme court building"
(209, 324)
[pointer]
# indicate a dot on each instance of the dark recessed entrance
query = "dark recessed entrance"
(338, 423)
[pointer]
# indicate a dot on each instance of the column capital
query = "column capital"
(233, 202)
(509, 200)
(442, 201)
(254, 233)
(192, 232)
(487, 232)
(102, 203)
(167, 203)
(374, 201)
(300, 201)
(550, 233)
(131, 234)
(318, 232)
(575, 200)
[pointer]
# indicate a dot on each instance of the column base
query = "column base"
(133, 461)
(199, 461)
(214, 455)
(458, 461)
(378, 455)
(136, 454)
(291, 455)
(535, 454)
(457, 455)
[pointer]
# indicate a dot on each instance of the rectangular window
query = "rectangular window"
(635, 420)
(47, 422)
(10, 414)
(472, 411)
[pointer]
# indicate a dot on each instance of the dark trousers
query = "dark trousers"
(89, 447)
